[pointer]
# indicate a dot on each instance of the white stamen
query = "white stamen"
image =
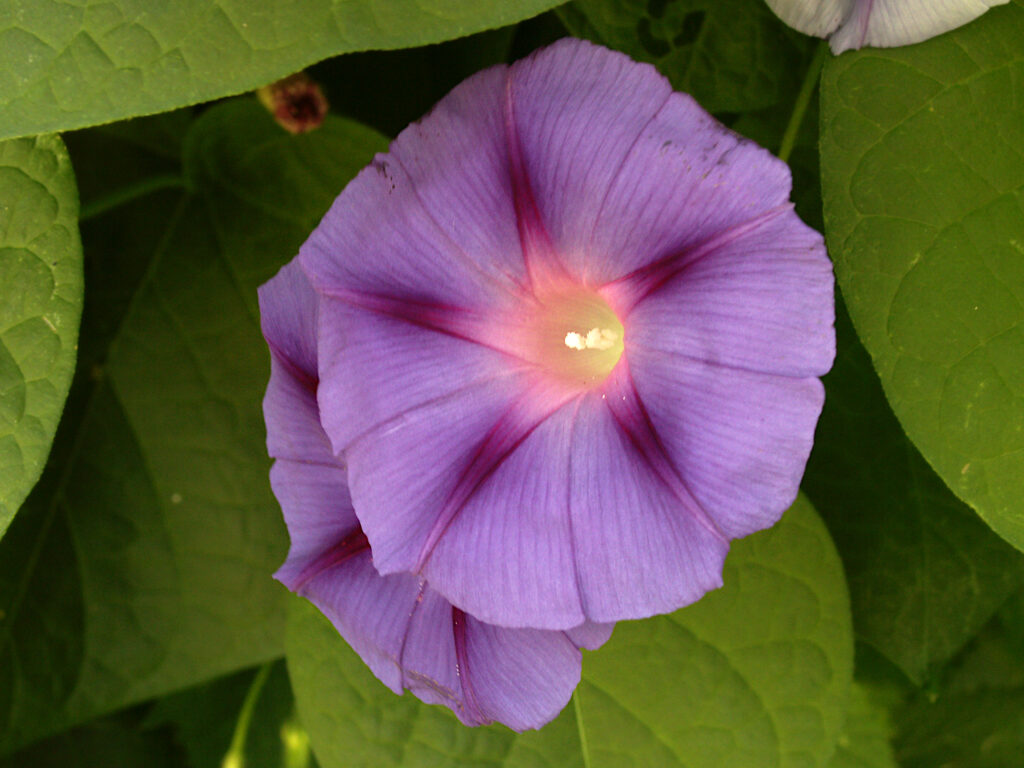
(596, 338)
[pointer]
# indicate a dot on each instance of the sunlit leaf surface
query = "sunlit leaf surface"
(40, 305)
(923, 185)
(67, 65)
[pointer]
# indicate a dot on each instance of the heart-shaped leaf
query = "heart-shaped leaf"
(923, 186)
(40, 306)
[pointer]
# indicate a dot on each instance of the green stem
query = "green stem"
(129, 193)
(235, 757)
(584, 747)
(803, 99)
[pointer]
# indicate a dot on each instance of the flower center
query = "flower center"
(577, 336)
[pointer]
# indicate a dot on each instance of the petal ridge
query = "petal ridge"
(302, 377)
(403, 669)
(353, 544)
(636, 425)
(629, 290)
(639, 554)
(534, 236)
(461, 391)
(374, 368)
(568, 514)
(490, 453)
(626, 157)
(724, 365)
(466, 257)
(462, 668)
(450, 319)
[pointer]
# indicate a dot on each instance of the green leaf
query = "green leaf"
(730, 55)
(66, 66)
(975, 717)
(756, 673)
(112, 162)
(979, 730)
(864, 742)
(925, 573)
(144, 563)
(923, 185)
(40, 305)
(993, 660)
(1011, 617)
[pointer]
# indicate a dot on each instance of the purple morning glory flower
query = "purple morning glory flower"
(408, 634)
(881, 23)
(569, 336)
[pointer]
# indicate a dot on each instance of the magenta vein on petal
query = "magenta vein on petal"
(633, 288)
(499, 444)
(637, 427)
(353, 544)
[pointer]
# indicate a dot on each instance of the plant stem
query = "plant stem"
(129, 193)
(803, 99)
(235, 757)
(584, 747)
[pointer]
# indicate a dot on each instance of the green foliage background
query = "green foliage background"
(880, 624)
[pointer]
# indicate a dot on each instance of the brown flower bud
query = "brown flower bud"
(296, 102)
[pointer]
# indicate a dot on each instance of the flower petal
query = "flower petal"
(405, 631)
(541, 515)
(432, 220)
(762, 301)
(288, 315)
(290, 411)
(408, 634)
(572, 134)
(412, 637)
(687, 180)
(643, 545)
(624, 170)
(371, 612)
(457, 158)
(738, 440)
(507, 556)
(381, 365)
(578, 520)
(471, 491)
(317, 511)
(288, 318)
(888, 23)
(819, 18)
(590, 635)
(501, 664)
